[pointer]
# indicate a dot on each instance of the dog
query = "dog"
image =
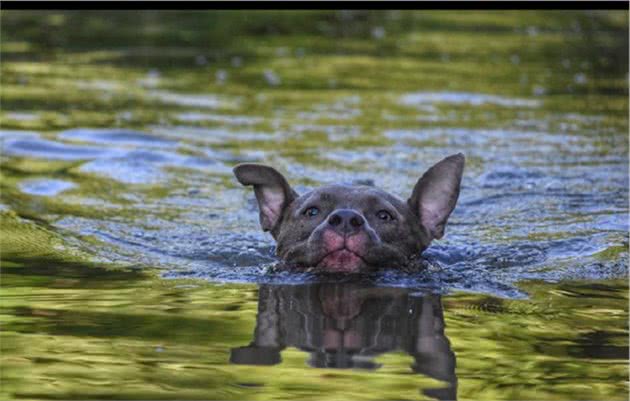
(353, 228)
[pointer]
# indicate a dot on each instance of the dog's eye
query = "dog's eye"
(311, 211)
(384, 215)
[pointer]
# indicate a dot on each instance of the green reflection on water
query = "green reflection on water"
(75, 331)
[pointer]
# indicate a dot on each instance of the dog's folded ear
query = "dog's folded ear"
(272, 190)
(436, 192)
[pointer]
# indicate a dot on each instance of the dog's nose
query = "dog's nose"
(346, 221)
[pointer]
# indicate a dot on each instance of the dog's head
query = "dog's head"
(342, 228)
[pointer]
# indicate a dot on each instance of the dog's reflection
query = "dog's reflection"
(345, 325)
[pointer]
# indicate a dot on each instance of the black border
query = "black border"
(314, 5)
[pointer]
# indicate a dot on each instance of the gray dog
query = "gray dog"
(349, 229)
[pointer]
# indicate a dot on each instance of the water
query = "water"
(124, 231)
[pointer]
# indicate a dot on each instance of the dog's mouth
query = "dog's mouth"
(342, 249)
(342, 260)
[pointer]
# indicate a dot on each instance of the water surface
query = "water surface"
(133, 266)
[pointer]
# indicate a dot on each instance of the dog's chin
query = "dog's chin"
(342, 261)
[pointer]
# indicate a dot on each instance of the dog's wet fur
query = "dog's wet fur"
(353, 228)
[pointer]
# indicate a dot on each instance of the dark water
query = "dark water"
(133, 265)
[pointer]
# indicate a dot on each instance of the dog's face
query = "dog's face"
(341, 228)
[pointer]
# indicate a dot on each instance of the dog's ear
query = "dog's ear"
(272, 192)
(436, 192)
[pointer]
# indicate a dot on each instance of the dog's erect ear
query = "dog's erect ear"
(435, 194)
(272, 192)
